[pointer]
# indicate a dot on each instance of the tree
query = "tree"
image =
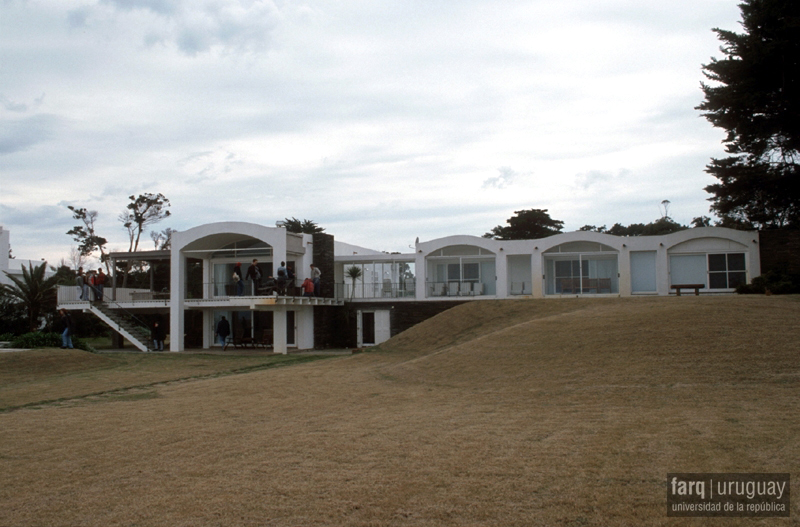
(354, 273)
(12, 314)
(143, 210)
(755, 97)
(162, 240)
(34, 291)
(593, 228)
(302, 227)
(86, 236)
(527, 225)
(663, 225)
(701, 221)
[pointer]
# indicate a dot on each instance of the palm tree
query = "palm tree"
(34, 291)
(354, 272)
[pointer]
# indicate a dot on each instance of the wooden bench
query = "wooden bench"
(696, 287)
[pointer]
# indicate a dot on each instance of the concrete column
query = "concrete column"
(537, 272)
(422, 274)
(279, 330)
(624, 270)
(501, 272)
(176, 303)
(5, 241)
(278, 252)
(208, 328)
(304, 318)
(207, 287)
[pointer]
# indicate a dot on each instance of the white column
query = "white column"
(501, 272)
(208, 328)
(5, 241)
(279, 330)
(422, 274)
(624, 269)
(176, 303)
(207, 288)
(304, 319)
(537, 271)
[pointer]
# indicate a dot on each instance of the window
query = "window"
(581, 274)
(726, 271)
(472, 272)
(453, 272)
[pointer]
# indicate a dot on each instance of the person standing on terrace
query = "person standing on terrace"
(254, 274)
(316, 274)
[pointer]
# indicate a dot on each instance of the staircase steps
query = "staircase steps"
(138, 335)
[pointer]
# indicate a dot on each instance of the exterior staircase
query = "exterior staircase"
(137, 334)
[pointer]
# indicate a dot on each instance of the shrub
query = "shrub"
(774, 282)
(39, 339)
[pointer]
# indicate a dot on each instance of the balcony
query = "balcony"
(375, 290)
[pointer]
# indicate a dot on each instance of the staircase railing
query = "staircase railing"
(110, 318)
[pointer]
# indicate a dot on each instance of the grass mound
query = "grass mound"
(475, 319)
(631, 340)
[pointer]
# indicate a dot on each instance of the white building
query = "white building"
(13, 266)
(394, 291)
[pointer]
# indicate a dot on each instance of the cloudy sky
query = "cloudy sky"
(382, 121)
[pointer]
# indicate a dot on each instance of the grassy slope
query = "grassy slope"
(494, 413)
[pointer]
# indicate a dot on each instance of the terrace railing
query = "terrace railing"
(372, 290)
(454, 288)
(69, 294)
(229, 289)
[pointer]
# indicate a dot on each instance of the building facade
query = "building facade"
(379, 294)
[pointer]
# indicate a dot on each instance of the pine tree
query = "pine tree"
(755, 96)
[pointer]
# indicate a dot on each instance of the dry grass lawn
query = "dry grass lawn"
(495, 413)
(36, 377)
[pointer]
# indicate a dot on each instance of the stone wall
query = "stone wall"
(327, 319)
(323, 258)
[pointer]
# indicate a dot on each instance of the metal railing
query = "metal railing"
(371, 290)
(70, 294)
(229, 289)
(454, 288)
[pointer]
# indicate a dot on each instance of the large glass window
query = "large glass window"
(581, 274)
(466, 275)
(380, 279)
(726, 271)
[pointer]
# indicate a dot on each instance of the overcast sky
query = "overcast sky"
(382, 121)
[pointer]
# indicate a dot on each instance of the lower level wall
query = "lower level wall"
(403, 315)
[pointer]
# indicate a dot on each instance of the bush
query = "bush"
(39, 339)
(774, 282)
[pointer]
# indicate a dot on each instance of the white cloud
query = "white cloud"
(381, 121)
(505, 178)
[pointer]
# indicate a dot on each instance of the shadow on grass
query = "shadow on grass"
(141, 391)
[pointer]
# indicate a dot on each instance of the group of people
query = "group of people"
(284, 280)
(90, 284)
(253, 274)
(311, 284)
